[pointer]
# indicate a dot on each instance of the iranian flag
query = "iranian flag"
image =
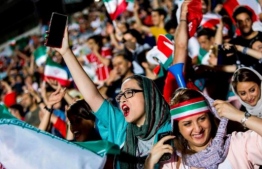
(115, 7)
(55, 71)
(194, 15)
(253, 5)
(24, 146)
(40, 55)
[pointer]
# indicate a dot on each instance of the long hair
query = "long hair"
(180, 142)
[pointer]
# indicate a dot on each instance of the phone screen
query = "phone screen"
(56, 30)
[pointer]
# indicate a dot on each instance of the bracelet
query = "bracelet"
(183, 20)
(50, 110)
(244, 50)
(243, 121)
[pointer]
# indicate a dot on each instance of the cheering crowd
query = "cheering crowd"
(191, 67)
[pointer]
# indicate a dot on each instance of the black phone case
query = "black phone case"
(166, 156)
(56, 30)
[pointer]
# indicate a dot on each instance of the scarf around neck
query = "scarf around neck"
(217, 150)
(157, 114)
(254, 110)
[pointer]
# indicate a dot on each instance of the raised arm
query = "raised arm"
(138, 21)
(181, 36)
(83, 82)
(219, 33)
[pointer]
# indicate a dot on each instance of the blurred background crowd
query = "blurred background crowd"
(111, 50)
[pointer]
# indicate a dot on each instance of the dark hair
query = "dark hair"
(171, 24)
(82, 109)
(126, 55)
(138, 79)
(244, 75)
(136, 35)
(241, 9)
(98, 40)
(141, 57)
(206, 2)
(181, 95)
(19, 108)
(160, 11)
(206, 32)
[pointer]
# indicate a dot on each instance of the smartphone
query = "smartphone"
(56, 30)
(166, 156)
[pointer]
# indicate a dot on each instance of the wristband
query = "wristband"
(244, 50)
(50, 110)
(183, 20)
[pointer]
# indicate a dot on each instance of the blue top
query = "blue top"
(112, 124)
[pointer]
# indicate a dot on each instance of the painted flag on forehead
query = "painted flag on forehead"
(24, 146)
(40, 55)
(55, 71)
(253, 5)
(115, 7)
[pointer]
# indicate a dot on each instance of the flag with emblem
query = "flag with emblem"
(24, 146)
(55, 71)
(40, 55)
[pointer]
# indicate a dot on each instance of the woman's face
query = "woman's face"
(196, 130)
(133, 108)
(249, 92)
(81, 128)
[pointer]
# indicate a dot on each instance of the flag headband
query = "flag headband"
(189, 108)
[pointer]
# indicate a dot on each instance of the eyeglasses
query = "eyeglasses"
(127, 94)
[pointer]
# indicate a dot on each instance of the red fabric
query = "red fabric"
(10, 99)
(148, 20)
(231, 5)
(102, 71)
(157, 69)
(119, 9)
(190, 101)
(211, 23)
(171, 86)
(194, 16)
(60, 125)
(165, 45)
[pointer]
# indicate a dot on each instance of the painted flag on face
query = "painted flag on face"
(24, 146)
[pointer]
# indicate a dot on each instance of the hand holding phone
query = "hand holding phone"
(166, 156)
(56, 30)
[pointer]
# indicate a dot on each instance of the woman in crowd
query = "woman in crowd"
(143, 112)
(82, 122)
(246, 84)
(200, 143)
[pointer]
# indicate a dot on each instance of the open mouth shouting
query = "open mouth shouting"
(125, 110)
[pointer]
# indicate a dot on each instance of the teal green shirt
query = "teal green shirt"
(112, 124)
